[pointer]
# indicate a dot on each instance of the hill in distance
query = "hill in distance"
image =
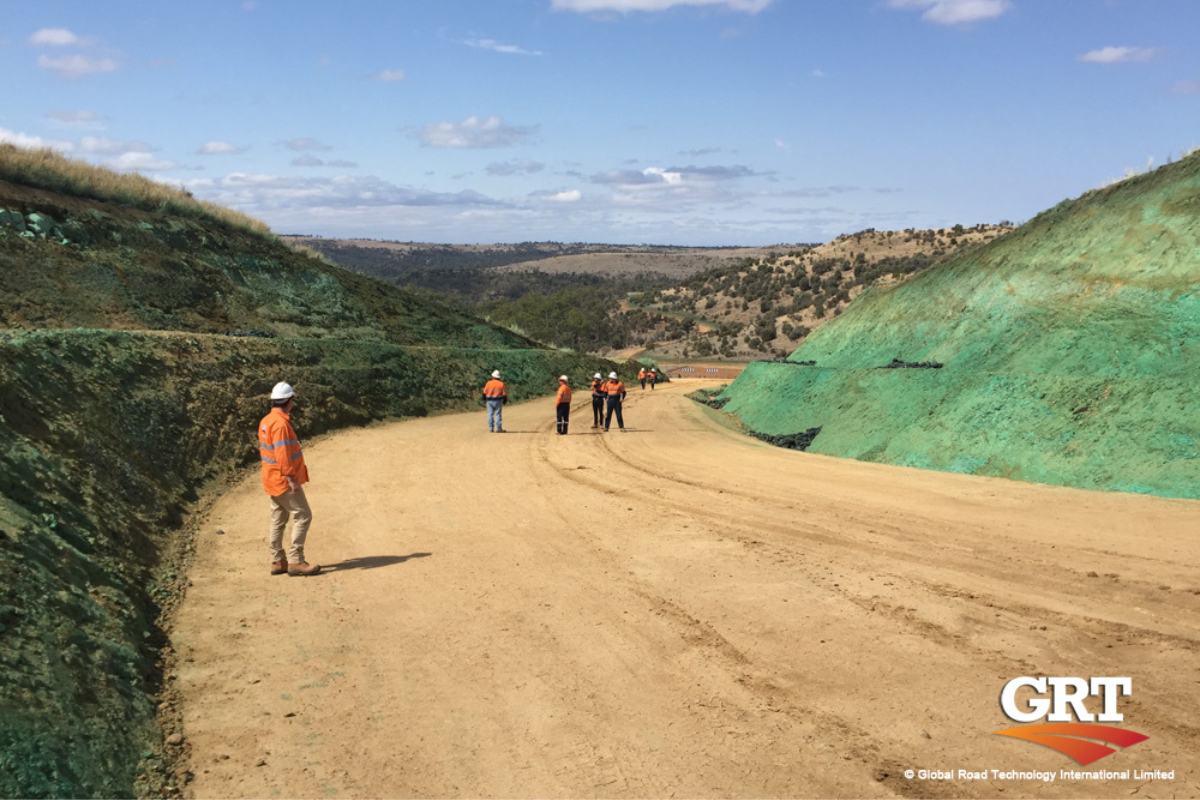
(1061, 353)
(678, 302)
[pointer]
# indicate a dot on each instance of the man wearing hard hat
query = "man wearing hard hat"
(284, 475)
(598, 395)
(495, 394)
(615, 389)
(562, 406)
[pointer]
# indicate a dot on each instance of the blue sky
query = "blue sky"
(689, 122)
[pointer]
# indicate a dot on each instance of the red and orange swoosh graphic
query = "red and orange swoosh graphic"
(1057, 736)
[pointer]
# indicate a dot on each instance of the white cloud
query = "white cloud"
(307, 143)
(102, 145)
(625, 6)
(1118, 55)
(782, 145)
(526, 166)
(73, 119)
(76, 65)
(571, 196)
(473, 132)
(388, 76)
(307, 161)
(220, 149)
(493, 45)
(322, 195)
(55, 37)
(136, 161)
(955, 12)
(33, 142)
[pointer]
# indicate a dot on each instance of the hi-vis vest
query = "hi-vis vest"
(598, 389)
(615, 389)
(564, 394)
(280, 451)
(494, 389)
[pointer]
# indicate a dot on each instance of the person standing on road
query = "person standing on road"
(642, 377)
(615, 391)
(653, 379)
(284, 475)
(562, 406)
(495, 394)
(598, 395)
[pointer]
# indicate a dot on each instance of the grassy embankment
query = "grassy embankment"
(1067, 350)
(139, 336)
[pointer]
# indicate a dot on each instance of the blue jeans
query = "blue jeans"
(494, 412)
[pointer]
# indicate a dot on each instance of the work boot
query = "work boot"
(279, 567)
(303, 568)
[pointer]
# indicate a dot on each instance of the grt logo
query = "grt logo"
(1062, 708)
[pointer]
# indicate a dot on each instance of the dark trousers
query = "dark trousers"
(643, 384)
(562, 415)
(597, 411)
(614, 405)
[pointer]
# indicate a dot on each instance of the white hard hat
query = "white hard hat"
(495, 373)
(562, 377)
(282, 391)
(612, 374)
(598, 375)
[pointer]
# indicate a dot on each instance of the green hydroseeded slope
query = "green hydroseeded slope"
(1069, 352)
(137, 350)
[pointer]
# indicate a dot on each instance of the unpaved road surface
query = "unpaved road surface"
(673, 611)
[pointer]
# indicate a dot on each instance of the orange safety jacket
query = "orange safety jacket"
(494, 389)
(615, 389)
(598, 389)
(564, 394)
(642, 375)
(279, 449)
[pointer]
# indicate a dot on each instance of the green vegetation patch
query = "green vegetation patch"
(1064, 353)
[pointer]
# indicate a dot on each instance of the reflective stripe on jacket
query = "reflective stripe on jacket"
(564, 394)
(597, 389)
(615, 390)
(280, 452)
(494, 389)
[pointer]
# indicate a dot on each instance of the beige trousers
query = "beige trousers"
(284, 506)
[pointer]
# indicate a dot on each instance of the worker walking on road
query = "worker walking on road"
(653, 379)
(615, 391)
(642, 377)
(598, 395)
(284, 475)
(495, 394)
(562, 406)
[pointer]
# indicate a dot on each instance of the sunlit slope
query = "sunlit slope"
(1066, 350)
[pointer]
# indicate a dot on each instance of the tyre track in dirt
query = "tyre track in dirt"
(677, 610)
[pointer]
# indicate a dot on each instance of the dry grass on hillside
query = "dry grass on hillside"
(51, 171)
(768, 306)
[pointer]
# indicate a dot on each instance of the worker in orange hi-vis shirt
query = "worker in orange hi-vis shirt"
(284, 475)
(495, 394)
(642, 377)
(615, 390)
(562, 406)
(653, 376)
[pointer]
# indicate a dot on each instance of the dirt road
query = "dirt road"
(673, 611)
